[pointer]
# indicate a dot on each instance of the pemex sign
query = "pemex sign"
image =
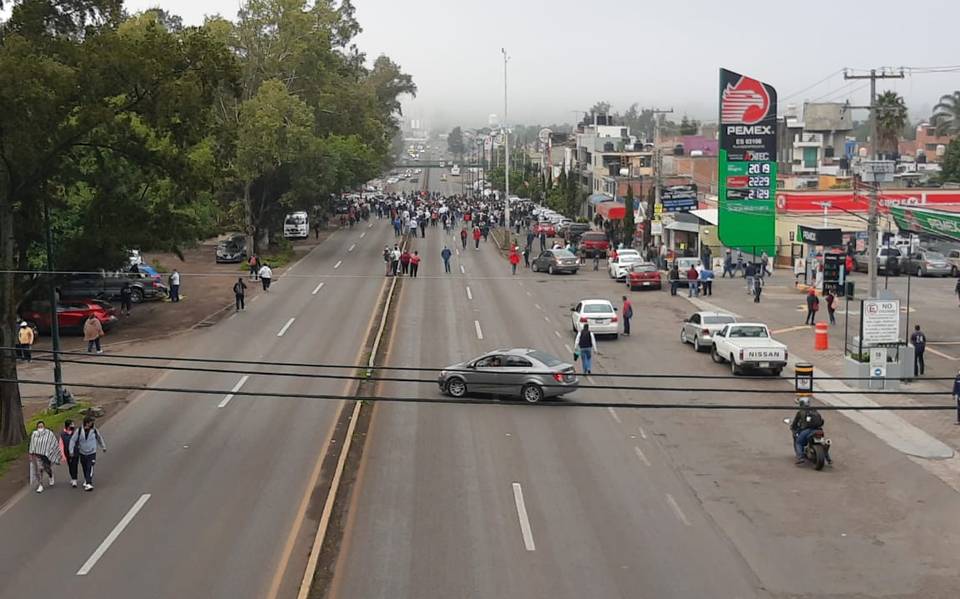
(932, 222)
(748, 163)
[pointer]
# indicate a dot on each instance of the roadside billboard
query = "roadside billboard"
(931, 222)
(747, 163)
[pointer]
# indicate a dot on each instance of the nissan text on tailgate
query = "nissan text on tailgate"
(749, 346)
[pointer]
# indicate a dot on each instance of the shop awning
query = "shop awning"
(611, 210)
(682, 226)
(932, 222)
(708, 215)
(597, 198)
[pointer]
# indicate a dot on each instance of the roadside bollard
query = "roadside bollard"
(803, 379)
(821, 339)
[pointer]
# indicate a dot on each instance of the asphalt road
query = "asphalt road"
(617, 503)
(225, 484)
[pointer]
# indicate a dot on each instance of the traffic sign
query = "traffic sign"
(878, 171)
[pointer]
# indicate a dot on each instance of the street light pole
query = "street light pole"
(506, 143)
(59, 397)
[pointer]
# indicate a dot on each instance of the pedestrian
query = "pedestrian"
(543, 240)
(830, 300)
(126, 298)
(395, 260)
(254, 265)
(25, 340)
(239, 292)
(799, 270)
(445, 253)
(414, 264)
(413, 227)
(738, 265)
(266, 276)
(627, 315)
(405, 262)
(386, 261)
(919, 342)
(674, 277)
(765, 264)
(956, 394)
(84, 443)
(526, 256)
(463, 237)
(693, 282)
(813, 304)
(596, 260)
(316, 229)
(72, 459)
(476, 237)
(586, 345)
(44, 451)
(175, 286)
(92, 332)
(514, 260)
(706, 280)
(750, 272)
(757, 289)
(848, 264)
(727, 265)
(956, 290)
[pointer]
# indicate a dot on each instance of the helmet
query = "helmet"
(803, 402)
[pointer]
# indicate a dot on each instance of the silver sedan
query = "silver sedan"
(700, 328)
(529, 373)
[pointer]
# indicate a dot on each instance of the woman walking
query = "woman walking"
(44, 452)
(92, 332)
(586, 345)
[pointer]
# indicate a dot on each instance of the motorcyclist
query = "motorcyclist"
(806, 421)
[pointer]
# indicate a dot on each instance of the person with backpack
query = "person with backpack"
(813, 304)
(806, 421)
(85, 442)
(254, 265)
(584, 347)
(71, 457)
(239, 291)
(126, 298)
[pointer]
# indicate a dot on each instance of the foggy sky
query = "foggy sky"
(566, 54)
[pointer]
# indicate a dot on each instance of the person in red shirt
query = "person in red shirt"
(514, 260)
(414, 264)
(476, 238)
(627, 314)
(405, 262)
(463, 237)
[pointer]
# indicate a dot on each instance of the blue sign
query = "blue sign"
(679, 204)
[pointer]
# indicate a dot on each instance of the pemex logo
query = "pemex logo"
(747, 102)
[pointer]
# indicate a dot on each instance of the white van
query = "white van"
(296, 225)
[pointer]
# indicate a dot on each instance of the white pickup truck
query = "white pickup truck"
(748, 346)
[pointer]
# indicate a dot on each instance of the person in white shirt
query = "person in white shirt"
(175, 286)
(266, 274)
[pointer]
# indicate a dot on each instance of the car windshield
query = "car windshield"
(296, 219)
(544, 357)
(644, 268)
(594, 237)
(934, 256)
(718, 319)
(754, 332)
(597, 308)
(563, 254)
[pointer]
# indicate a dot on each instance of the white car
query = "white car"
(617, 269)
(599, 314)
(748, 346)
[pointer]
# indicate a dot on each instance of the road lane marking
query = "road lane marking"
(317, 289)
(643, 434)
(124, 522)
(557, 333)
(537, 306)
(469, 293)
(524, 520)
(370, 226)
(546, 318)
(800, 327)
(476, 323)
(351, 247)
(640, 455)
(337, 265)
(236, 388)
(232, 316)
(529, 294)
(362, 234)
(615, 415)
(941, 354)
(567, 347)
(676, 509)
(285, 327)
(462, 271)
(255, 298)
(458, 252)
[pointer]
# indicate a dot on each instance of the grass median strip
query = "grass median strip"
(53, 421)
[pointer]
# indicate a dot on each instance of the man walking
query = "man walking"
(693, 282)
(750, 273)
(126, 298)
(252, 264)
(266, 276)
(463, 237)
(764, 260)
(85, 442)
(175, 286)
(445, 253)
(919, 342)
(627, 315)
(830, 300)
(813, 304)
(239, 291)
(727, 265)
(476, 237)
(706, 280)
(514, 260)
(757, 289)
(674, 277)
(73, 459)
(414, 264)
(543, 240)
(25, 341)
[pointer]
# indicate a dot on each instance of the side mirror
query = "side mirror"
(616, 309)
(573, 309)
(786, 420)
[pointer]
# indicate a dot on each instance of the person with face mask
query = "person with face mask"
(85, 442)
(44, 452)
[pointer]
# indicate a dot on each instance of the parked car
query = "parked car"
(748, 346)
(953, 257)
(923, 263)
(554, 261)
(575, 231)
(600, 314)
(683, 265)
(532, 374)
(107, 285)
(643, 275)
(544, 227)
(232, 249)
(617, 267)
(700, 328)
(70, 315)
(888, 261)
(594, 243)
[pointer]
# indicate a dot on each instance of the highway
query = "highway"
(224, 478)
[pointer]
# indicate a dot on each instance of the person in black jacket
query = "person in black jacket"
(73, 458)
(239, 292)
(805, 422)
(919, 342)
(674, 277)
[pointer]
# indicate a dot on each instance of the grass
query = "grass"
(280, 256)
(52, 420)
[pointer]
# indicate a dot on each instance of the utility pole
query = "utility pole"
(873, 211)
(657, 160)
(506, 144)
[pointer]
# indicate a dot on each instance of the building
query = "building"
(929, 144)
(603, 149)
(814, 143)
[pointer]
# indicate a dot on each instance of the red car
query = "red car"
(643, 276)
(71, 314)
(546, 228)
(594, 242)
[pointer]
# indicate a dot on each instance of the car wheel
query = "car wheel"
(534, 268)
(550, 269)
(920, 272)
(696, 344)
(715, 356)
(734, 369)
(953, 271)
(531, 393)
(456, 387)
(136, 295)
(776, 371)
(683, 336)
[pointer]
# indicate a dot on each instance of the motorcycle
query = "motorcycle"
(817, 448)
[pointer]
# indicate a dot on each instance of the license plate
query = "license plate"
(646, 283)
(764, 364)
(601, 321)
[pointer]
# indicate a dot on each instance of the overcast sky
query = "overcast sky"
(567, 54)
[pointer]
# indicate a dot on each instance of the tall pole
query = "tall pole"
(657, 156)
(873, 210)
(58, 394)
(506, 143)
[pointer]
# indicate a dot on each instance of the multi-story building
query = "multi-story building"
(929, 144)
(814, 143)
(603, 149)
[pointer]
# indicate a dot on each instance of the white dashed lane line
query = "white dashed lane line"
(537, 306)
(476, 324)
(462, 271)
(236, 388)
(469, 294)
(525, 529)
(546, 318)
(351, 247)
(615, 415)
(337, 265)
(640, 455)
(317, 289)
(568, 348)
(676, 509)
(362, 234)
(557, 333)
(643, 434)
(285, 327)
(114, 534)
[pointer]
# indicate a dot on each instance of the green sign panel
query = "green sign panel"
(747, 163)
(931, 222)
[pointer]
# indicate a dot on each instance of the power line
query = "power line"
(809, 87)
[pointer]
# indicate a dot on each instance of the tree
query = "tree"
(951, 162)
(688, 126)
(891, 114)
(455, 142)
(946, 114)
(629, 226)
(601, 107)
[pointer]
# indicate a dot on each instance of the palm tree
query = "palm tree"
(891, 117)
(946, 114)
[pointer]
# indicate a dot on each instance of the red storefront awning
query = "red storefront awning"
(611, 210)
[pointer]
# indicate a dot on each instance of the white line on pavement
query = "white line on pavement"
(615, 415)
(476, 323)
(802, 327)
(568, 348)
(234, 315)
(236, 388)
(462, 271)
(676, 509)
(557, 333)
(285, 327)
(640, 455)
(546, 318)
(362, 234)
(469, 293)
(255, 298)
(537, 306)
(458, 252)
(941, 354)
(370, 226)
(528, 293)
(351, 247)
(317, 289)
(524, 520)
(337, 265)
(98, 553)
(643, 433)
